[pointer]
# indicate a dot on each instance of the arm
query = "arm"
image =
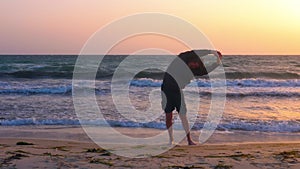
(214, 65)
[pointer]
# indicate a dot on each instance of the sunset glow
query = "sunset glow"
(233, 26)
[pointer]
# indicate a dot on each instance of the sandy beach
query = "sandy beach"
(42, 153)
(50, 150)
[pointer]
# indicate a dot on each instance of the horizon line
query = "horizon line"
(68, 54)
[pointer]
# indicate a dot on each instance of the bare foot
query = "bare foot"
(191, 143)
(171, 143)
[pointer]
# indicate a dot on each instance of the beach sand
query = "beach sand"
(18, 151)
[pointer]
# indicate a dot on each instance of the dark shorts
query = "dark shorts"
(172, 100)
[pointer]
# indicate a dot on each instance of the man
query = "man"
(179, 73)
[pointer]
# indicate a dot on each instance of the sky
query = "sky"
(264, 27)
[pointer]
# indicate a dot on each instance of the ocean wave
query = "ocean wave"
(263, 94)
(67, 73)
(68, 91)
(252, 94)
(235, 88)
(268, 75)
(45, 90)
(33, 121)
(263, 83)
(263, 126)
(65, 90)
(259, 126)
(37, 74)
(113, 123)
(146, 82)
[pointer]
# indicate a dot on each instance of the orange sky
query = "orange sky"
(233, 26)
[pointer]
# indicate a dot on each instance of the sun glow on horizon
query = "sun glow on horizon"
(233, 26)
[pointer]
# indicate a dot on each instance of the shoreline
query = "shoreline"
(76, 133)
(45, 153)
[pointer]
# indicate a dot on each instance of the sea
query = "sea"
(262, 93)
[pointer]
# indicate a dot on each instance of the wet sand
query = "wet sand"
(20, 149)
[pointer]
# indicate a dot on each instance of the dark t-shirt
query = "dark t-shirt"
(170, 84)
(177, 76)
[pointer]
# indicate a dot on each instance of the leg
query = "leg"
(181, 108)
(167, 105)
(169, 123)
(185, 124)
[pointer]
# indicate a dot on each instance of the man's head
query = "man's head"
(193, 61)
(193, 64)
